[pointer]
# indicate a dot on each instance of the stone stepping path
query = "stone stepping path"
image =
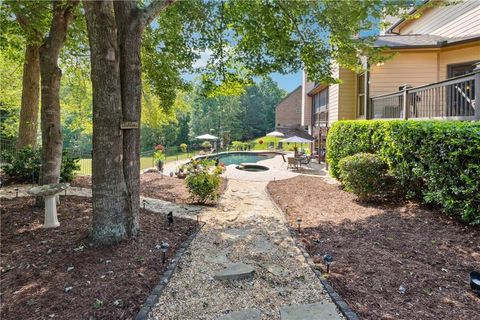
(245, 242)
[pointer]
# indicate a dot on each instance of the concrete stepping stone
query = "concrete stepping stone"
(236, 271)
(247, 314)
(313, 311)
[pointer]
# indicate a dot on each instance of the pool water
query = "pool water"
(238, 158)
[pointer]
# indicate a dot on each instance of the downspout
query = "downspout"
(367, 93)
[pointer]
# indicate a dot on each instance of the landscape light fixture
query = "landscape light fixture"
(164, 247)
(65, 191)
(475, 282)
(144, 202)
(16, 192)
(170, 218)
(198, 218)
(299, 222)
(327, 259)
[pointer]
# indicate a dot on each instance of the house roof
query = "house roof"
(288, 95)
(402, 20)
(396, 41)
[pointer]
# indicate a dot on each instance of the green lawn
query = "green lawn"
(145, 162)
(286, 147)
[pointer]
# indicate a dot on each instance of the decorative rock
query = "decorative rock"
(68, 289)
(236, 271)
(70, 269)
(118, 303)
(247, 314)
(313, 311)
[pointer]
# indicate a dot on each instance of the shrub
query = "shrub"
(206, 145)
(25, 166)
(365, 174)
(203, 180)
(237, 145)
(183, 147)
(435, 162)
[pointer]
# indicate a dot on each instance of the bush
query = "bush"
(183, 147)
(206, 145)
(25, 166)
(203, 180)
(435, 162)
(365, 174)
(237, 145)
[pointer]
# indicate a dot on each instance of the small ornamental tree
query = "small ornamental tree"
(183, 147)
(159, 156)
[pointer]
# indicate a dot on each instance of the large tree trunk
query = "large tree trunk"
(115, 31)
(110, 196)
(130, 31)
(27, 129)
(52, 139)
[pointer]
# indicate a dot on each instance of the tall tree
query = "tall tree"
(30, 20)
(115, 31)
(246, 38)
(52, 139)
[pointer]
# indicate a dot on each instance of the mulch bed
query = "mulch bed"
(379, 248)
(154, 185)
(107, 282)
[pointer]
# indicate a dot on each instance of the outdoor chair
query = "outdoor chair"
(306, 161)
(270, 146)
(292, 163)
(280, 146)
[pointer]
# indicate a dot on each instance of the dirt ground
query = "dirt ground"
(379, 250)
(56, 273)
(154, 185)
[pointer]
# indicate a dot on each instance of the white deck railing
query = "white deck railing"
(454, 99)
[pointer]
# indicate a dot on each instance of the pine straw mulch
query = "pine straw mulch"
(34, 263)
(378, 248)
(155, 185)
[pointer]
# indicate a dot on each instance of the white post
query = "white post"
(51, 220)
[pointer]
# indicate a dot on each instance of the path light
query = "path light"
(164, 247)
(198, 218)
(144, 202)
(328, 259)
(170, 218)
(65, 191)
(16, 192)
(299, 222)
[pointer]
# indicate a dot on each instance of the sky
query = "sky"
(288, 82)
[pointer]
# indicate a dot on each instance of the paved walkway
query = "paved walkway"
(246, 227)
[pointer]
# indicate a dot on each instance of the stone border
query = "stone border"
(337, 299)
(167, 275)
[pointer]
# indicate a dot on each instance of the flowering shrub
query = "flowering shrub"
(203, 180)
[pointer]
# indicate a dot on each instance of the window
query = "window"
(320, 106)
(361, 96)
(460, 69)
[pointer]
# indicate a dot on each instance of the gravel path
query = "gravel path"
(246, 227)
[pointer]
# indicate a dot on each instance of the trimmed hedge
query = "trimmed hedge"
(436, 162)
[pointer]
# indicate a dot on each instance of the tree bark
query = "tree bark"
(115, 31)
(27, 129)
(52, 139)
(130, 31)
(110, 194)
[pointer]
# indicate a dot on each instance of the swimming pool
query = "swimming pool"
(241, 157)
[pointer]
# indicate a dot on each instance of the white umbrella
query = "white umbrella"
(206, 137)
(275, 134)
(296, 139)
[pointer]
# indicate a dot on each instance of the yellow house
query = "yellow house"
(432, 75)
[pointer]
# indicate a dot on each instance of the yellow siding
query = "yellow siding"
(333, 97)
(449, 21)
(413, 68)
(456, 56)
(347, 94)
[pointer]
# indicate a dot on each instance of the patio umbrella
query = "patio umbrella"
(296, 139)
(275, 134)
(206, 137)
